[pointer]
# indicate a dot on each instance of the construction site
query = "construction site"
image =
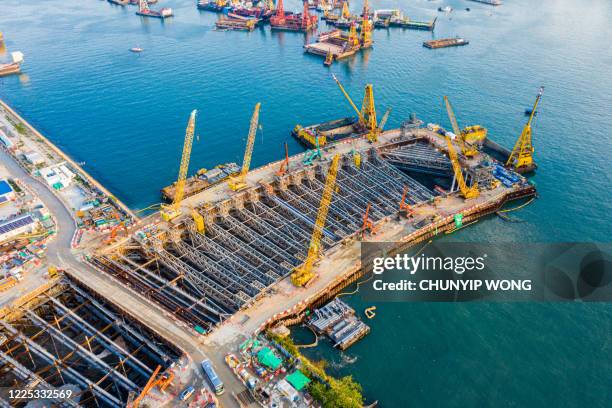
(222, 251)
(65, 337)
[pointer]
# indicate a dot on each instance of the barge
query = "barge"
(337, 320)
(405, 22)
(283, 21)
(145, 11)
(237, 24)
(326, 132)
(445, 42)
(489, 2)
(13, 67)
(202, 180)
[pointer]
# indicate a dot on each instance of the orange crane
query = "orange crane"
(404, 207)
(156, 380)
(367, 223)
(284, 167)
(304, 273)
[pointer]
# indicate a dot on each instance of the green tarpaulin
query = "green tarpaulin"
(298, 380)
(268, 358)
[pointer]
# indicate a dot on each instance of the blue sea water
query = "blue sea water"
(124, 115)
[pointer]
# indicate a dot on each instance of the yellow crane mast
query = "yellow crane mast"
(467, 192)
(367, 115)
(521, 158)
(238, 182)
(169, 212)
(366, 26)
(345, 11)
(467, 149)
(303, 274)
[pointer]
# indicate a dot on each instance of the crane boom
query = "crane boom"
(384, 119)
(467, 192)
(521, 157)
(303, 274)
(173, 210)
(239, 182)
(348, 98)
(468, 151)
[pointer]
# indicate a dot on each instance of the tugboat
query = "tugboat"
(13, 67)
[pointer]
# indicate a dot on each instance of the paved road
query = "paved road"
(60, 253)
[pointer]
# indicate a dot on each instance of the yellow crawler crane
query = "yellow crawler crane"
(521, 158)
(238, 182)
(304, 274)
(467, 192)
(467, 149)
(169, 212)
(367, 114)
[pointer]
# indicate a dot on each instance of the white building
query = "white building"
(57, 176)
(33, 157)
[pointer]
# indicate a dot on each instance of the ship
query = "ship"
(12, 67)
(217, 6)
(145, 11)
(446, 42)
(489, 2)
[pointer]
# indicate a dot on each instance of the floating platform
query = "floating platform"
(413, 25)
(445, 42)
(9, 69)
(237, 24)
(334, 42)
(327, 132)
(203, 180)
(161, 14)
(337, 320)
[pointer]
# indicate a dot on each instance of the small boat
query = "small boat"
(136, 49)
(528, 112)
(13, 67)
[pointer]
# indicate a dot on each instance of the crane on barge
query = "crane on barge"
(304, 273)
(169, 212)
(367, 114)
(466, 192)
(467, 149)
(521, 158)
(238, 182)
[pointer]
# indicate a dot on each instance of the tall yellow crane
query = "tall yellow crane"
(468, 150)
(367, 114)
(521, 157)
(366, 26)
(303, 274)
(467, 192)
(238, 182)
(169, 212)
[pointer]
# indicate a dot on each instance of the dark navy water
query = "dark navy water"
(124, 115)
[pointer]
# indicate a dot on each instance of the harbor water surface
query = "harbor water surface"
(124, 115)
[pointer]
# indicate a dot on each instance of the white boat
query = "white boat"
(13, 67)
(136, 49)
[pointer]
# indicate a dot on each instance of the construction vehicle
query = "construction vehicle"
(311, 155)
(367, 114)
(169, 212)
(284, 167)
(468, 149)
(198, 220)
(466, 192)
(521, 158)
(238, 182)
(304, 273)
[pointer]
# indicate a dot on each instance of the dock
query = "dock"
(337, 320)
(445, 42)
(255, 238)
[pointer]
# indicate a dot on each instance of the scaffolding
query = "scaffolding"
(252, 240)
(69, 338)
